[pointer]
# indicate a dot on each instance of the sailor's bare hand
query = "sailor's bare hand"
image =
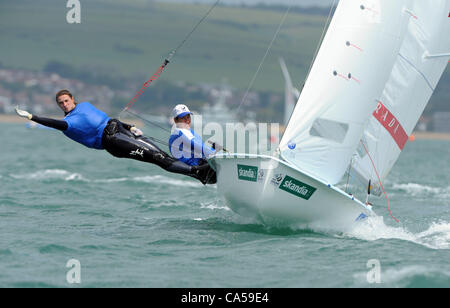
(136, 131)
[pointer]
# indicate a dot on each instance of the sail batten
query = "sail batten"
(439, 55)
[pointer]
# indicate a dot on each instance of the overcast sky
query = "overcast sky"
(326, 3)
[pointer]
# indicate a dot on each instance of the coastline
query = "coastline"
(431, 136)
(6, 118)
(10, 118)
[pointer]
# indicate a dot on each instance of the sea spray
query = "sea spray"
(437, 236)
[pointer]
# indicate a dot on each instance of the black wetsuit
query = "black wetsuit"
(119, 141)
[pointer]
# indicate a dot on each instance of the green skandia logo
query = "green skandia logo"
(247, 173)
(297, 188)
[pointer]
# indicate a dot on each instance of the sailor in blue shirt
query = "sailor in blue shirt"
(184, 143)
(85, 125)
(93, 128)
(187, 146)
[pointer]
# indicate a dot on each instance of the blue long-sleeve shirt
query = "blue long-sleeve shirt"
(188, 147)
(86, 124)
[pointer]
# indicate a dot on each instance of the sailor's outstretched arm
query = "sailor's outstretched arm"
(56, 124)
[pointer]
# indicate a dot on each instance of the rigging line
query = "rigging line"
(145, 86)
(333, 5)
(379, 181)
(264, 58)
(173, 52)
(158, 140)
(167, 60)
(320, 41)
(148, 121)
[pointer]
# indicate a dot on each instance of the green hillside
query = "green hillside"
(135, 37)
(130, 38)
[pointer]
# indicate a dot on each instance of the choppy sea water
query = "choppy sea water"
(131, 224)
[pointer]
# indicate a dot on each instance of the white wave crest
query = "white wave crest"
(415, 189)
(113, 180)
(159, 179)
(50, 174)
(437, 236)
(213, 206)
(65, 175)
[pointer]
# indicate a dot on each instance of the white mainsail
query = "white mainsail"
(346, 81)
(422, 59)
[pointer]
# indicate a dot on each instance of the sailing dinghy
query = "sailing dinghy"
(375, 71)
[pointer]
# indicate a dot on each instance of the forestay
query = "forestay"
(346, 81)
(422, 59)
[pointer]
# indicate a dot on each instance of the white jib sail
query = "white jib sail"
(345, 83)
(422, 59)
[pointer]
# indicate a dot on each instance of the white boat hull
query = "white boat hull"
(271, 190)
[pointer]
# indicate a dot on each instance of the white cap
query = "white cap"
(180, 111)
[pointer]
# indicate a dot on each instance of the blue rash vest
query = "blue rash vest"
(188, 147)
(86, 124)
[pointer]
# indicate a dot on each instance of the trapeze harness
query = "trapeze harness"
(92, 128)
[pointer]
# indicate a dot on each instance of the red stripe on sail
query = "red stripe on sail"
(391, 124)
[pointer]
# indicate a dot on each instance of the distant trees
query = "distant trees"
(163, 95)
(60, 68)
(92, 75)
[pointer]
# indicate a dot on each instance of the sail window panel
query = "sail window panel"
(329, 129)
(361, 151)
